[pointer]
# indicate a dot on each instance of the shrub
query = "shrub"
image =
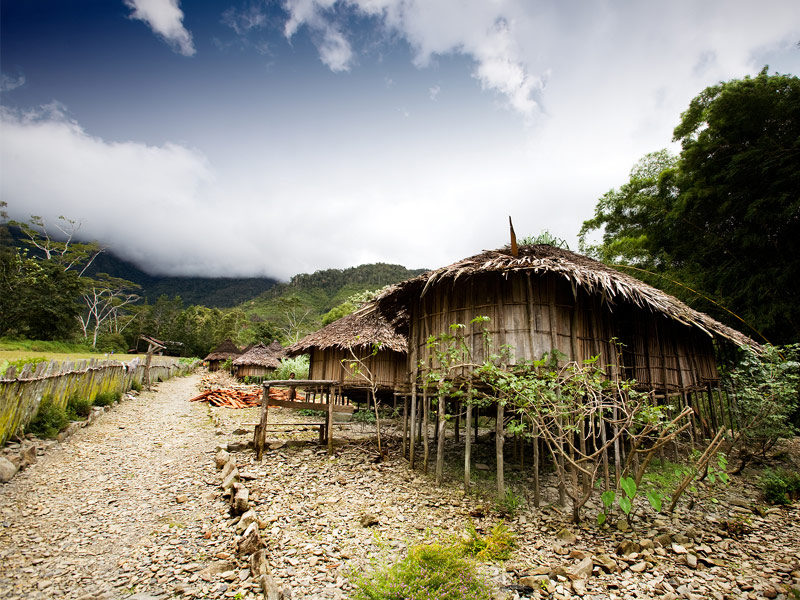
(495, 546)
(308, 412)
(21, 362)
(136, 386)
(433, 571)
(49, 419)
(107, 398)
(364, 416)
(780, 486)
(297, 365)
(78, 408)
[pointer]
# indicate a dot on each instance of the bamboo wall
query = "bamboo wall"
(20, 394)
(252, 370)
(534, 313)
(387, 367)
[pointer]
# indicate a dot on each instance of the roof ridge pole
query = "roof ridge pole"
(514, 247)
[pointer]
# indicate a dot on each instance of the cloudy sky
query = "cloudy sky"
(272, 137)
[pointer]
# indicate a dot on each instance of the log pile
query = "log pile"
(230, 398)
(237, 398)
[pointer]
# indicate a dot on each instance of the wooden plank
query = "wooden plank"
(296, 405)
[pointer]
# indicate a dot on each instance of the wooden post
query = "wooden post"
(148, 359)
(440, 440)
(499, 441)
(413, 440)
(405, 425)
(536, 497)
(457, 423)
(329, 420)
(261, 429)
(468, 441)
(425, 421)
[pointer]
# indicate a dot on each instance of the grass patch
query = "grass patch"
(497, 545)
(432, 572)
(107, 398)
(49, 419)
(78, 408)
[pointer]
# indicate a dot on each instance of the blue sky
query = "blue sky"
(277, 137)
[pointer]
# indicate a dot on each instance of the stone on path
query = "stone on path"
(7, 469)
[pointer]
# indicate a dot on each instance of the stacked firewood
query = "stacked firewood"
(230, 398)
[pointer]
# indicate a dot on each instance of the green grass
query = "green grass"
(429, 572)
(49, 419)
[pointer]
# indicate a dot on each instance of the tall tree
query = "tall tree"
(723, 220)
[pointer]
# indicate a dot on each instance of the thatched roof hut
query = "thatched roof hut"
(364, 335)
(259, 360)
(221, 353)
(546, 298)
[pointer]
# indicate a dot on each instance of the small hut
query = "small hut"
(259, 361)
(548, 298)
(363, 336)
(220, 354)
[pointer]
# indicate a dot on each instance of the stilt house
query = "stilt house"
(545, 298)
(220, 354)
(364, 335)
(258, 361)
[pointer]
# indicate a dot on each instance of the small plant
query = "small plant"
(364, 416)
(495, 546)
(78, 408)
(509, 504)
(19, 364)
(136, 386)
(780, 486)
(49, 420)
(309, 412)
(107, 398)
(432, 571)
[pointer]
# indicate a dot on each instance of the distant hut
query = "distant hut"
(259, 361)
(364, 335)
(220, 354)
(546, 298)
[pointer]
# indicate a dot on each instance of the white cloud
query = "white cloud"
(8, 83)
(334, 48)
(165, 18)
(433, 92)
(244, 20)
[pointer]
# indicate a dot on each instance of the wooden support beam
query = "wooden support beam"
(499, 442)
(440, 441)
(260, 435)
(329, 419)
(468, 442)
(413, 440)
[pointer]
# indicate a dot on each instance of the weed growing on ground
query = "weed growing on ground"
(49, 420)
(107, 398)
(432, 572)
(497, 545)
(78, 408)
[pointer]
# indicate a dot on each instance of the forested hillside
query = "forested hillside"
(298, 307)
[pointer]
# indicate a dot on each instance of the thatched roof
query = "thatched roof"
(224, 351)
(262, 355)
(362, 328)
(582, 272)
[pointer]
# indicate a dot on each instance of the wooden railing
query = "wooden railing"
(21, 393)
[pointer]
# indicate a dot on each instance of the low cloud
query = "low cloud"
(8, 83)
(165, 18)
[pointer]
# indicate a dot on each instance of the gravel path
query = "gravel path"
(122, 507)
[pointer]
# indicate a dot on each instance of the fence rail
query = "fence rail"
(21, 393)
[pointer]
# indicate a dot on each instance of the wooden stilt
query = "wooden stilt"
(329, 421)
(468, 442)
(426, 429)
(499, 441)
(413, 440)
(404, 446)
(536, 466)
(440, 441)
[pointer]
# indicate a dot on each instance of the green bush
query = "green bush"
(21, 362)
(297, 365)
(107, 398)
(780, 486)
(78, 408)
(308, 412)
(497, 545)
(432, 572)
(49, 419)
(136, 386)
(364, 416)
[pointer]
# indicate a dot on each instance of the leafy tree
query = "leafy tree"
(723, 218)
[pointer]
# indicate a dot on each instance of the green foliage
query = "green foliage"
(136, 386)
(111, 342)
(497, 545)
(308, 412)
(432, 572)
(364, 416)
(78, 407)
(721, 218)
(296, 364)
(545, 238)
(509, 504)
(108, 398)
(767, 388)
(49, 420)
(780, 486)
(19, 364)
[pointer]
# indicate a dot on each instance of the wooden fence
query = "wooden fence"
(21, 393)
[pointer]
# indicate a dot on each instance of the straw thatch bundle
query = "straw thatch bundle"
(580, 271)
(224, 351)
(364, 328)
